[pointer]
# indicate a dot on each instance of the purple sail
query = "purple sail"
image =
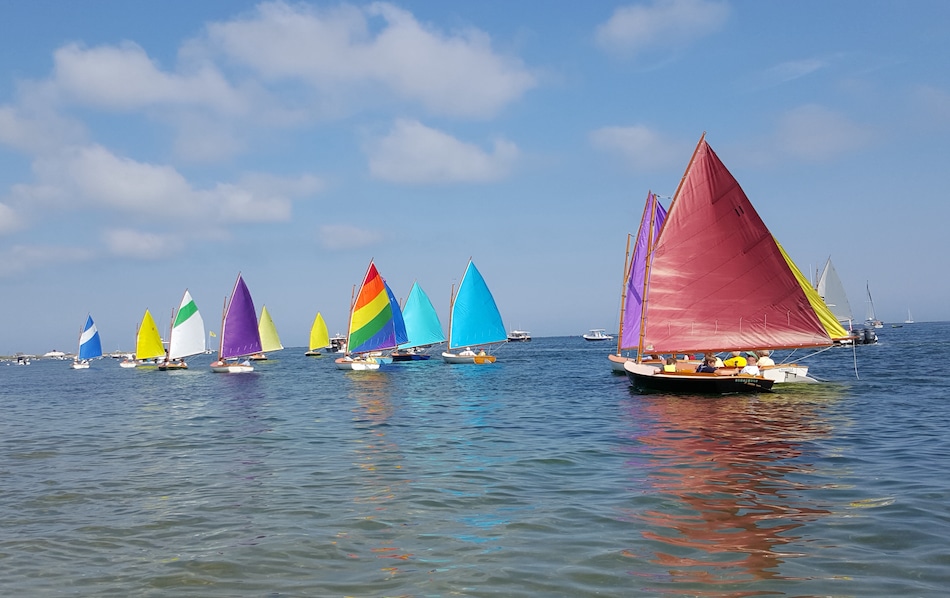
(239, 331)
(653, 216)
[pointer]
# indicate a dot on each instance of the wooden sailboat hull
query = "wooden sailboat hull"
(313, 353)
(617, 362)
(649, 379)
(173, 365)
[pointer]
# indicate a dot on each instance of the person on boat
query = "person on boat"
(763, 358)
(468, 352)
(670, 364)
(736, 361)
(751, 368)
(708, 366)
(716, 360)
(481, 353)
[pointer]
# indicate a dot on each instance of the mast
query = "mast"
(224, 314)
(623, 291)
(349, 322)
(646, 276)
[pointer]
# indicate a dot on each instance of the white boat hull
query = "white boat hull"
(232, 368)
(80, 365)
(788, 374)
(356, 365)
(473, 359)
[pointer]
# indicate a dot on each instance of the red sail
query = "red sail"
(717, 280)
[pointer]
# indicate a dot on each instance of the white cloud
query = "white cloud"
(124, 77)
(344, 237)
(347, 50)
(641, 148)
(34, 129)
(791, 70)
(415, 153)
(9, 220)
(142, 245)
(94, 177)
(636, 28)
(813, 132)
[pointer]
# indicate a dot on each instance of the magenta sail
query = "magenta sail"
(239, 331)
(653, 216)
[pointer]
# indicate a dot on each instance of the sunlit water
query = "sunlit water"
(543, 475)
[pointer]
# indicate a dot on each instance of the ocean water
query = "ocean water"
(543, 475)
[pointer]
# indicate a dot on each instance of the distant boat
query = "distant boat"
(376, 324)
(187, 336)
(338, 343)
(240, 336)
(831, 290)
(148, 342)
(598, 334)
(423, 327)
(516, 336)
(319, 336)
(910, 318)
(270, 341)
(474, 321)
(871, 317)
(90, 346)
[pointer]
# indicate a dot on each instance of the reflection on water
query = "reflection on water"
(732, 476)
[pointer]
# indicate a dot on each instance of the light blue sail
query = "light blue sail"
(475, 319)
(90, 346)
(422, 322)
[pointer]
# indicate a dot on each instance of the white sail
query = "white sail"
(831, 290)
(188, 330)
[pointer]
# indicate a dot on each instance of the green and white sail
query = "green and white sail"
(188, 330)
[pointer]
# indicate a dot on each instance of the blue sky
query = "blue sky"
(151, 147)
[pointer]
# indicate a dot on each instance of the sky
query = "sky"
(153, 147)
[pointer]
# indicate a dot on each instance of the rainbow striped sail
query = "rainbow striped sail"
(376, 322)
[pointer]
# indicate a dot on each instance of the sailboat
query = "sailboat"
(910, 318)
(319, 337)
(148, 342)
(239, 333)
(376, 324)
(422, 327)
(270, 341)
(744, 297)
(474, 320)
(187, 336)
(631, 298)
(90, 345)
(871, 318)
(832, 292)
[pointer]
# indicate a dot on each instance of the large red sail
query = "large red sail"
(717, 279)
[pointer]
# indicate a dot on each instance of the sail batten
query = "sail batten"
(717, 279)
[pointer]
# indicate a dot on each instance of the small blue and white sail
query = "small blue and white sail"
(90, 347)
(422, 322)
(399, 323)
(474, 317)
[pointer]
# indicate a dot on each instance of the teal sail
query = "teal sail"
(422, 322)
(474, 318)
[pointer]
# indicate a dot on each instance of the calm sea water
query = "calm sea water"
(543, 475)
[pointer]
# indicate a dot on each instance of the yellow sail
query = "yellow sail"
(319, 335)
(827, 319)
(269, 339)
(148, 342)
